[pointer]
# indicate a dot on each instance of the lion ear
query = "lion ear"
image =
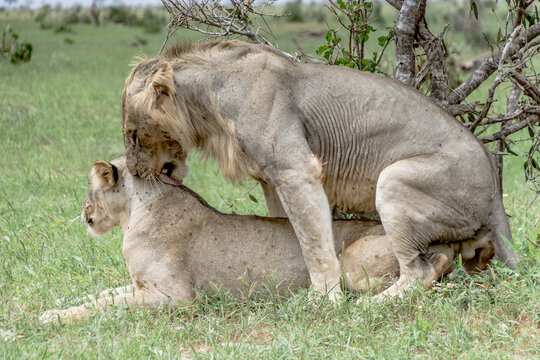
(162, 81)
(105, 173)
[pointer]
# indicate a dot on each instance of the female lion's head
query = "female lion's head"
(106, 204)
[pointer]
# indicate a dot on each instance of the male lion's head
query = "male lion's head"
(148, 112)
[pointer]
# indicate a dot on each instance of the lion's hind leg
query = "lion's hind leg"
(369, 264)
(423, 201)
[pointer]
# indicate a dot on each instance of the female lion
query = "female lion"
(174, 242)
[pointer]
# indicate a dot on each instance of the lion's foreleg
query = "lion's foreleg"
(117, 291)
(127, 296)
(306, 205)
(273, 203)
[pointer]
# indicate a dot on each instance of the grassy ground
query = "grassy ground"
(61, 112)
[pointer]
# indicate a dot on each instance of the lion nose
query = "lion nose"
(167, 168)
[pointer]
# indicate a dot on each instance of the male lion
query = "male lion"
(174, 243)
(315, 135)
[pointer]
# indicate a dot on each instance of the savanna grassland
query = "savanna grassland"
(60, 112)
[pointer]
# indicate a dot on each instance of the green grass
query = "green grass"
(61, 112)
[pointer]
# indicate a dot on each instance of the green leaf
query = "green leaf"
(341, 4)
(329, 35)
(382, 40)
(474, 9)
(327, 54)
(321, 49)
(532, 20)
(507, 147)
(253, 198)
(535, 164)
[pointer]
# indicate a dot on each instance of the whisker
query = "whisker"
(79, 217)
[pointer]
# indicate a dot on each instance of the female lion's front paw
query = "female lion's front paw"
(71, 314)
(51, 316)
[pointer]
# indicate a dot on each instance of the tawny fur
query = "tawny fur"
(175, 243)
(385, 148)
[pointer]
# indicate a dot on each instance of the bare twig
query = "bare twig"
(509, 130)
(529, 88)
(435, 49)
(487, 106)
(507, 47)
(490, 64)
(500, 119)
(213, 19)
(460, 109)
(171, 29)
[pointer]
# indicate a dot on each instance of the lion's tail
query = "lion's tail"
(499, 228)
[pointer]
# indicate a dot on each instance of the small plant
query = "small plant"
(139, 41)
(62, 28)
(60, 21)
(355, 16)
(17, 51)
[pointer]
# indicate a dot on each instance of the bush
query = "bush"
(295, 11)
(61, 21)
(152, 22)
(121, 15)
(85, 18)
(71, 16)
(139, 41)
(62, 28)
(22, 52)
(17, 51)
(43, 12)
(46, 25)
